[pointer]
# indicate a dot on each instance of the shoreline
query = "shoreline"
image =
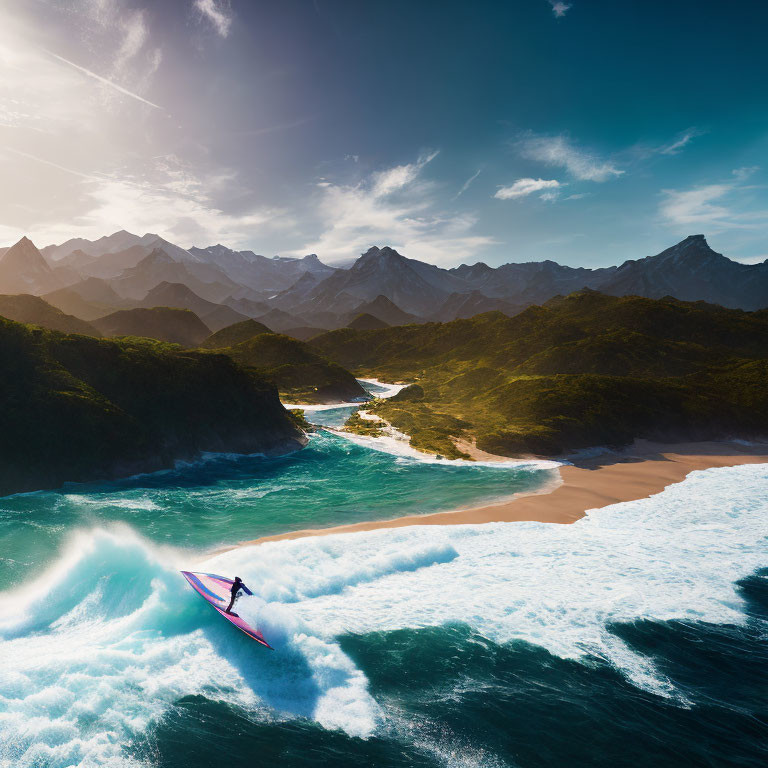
(641, 470)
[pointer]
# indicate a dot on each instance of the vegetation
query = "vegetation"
(235, 334)
(367, 322)
(24, 308)
(178, 326)
(300, 373)
(79, 408)
(360, 426)
(582, 370)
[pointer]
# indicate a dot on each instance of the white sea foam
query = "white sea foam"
(310, 407)
(386, 391)
(110, 638)
(397, 443)
(676, 555)
(104, 643)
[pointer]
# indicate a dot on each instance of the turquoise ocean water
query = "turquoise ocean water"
(635, 636)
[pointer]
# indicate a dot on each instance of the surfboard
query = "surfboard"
(215, 590)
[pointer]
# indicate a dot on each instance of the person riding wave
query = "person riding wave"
(237, 585)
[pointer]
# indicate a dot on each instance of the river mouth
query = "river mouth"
(226, 498)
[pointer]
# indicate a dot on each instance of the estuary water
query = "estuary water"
(637, 635)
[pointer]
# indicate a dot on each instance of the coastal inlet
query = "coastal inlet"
(226, 499)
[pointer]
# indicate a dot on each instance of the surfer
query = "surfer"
(237, 585)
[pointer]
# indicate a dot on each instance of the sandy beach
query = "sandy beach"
(641, 470)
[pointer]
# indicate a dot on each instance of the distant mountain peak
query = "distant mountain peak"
(693, 247)
(25, 252)
(375, 258)
(381, 299)
(375, 252)
(166, 286)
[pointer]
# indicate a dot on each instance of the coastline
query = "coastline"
(641, 470)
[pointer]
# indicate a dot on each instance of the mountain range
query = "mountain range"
(91, 279)
(578, 371)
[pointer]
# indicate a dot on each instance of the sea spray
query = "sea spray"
(675, 555)
(113, 640)
(100, 647)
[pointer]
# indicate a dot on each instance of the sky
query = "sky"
(587, 132)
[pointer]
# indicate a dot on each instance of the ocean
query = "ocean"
(636, 636)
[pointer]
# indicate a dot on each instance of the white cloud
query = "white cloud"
(391, 207)
(169, 199)
(135, 35)
(680, 142)
(465, 186)
(559, 151)
(81, 142)
(742, 174)
(525, 187)
(714, 207)
(559, 8)
(218, 13)
(697, 206)
(395, 179)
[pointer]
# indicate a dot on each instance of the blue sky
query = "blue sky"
(587, 133)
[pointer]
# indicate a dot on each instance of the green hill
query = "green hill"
(178, 326)
(24, 308)
(75, 408)
(583, 370)
(300, 373)
(367, 322)
(235, 334)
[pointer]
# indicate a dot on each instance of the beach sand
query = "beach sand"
(643, 469)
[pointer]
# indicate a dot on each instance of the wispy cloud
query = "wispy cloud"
(395, 207)
(743, 173)
(559, 8)
(561, 152)
(525, 187)
(168, 198)
(394, 179)
(135, 35)
(682, 141)
(105, 81)
(714, 207)
(218, 13)
(465, 186)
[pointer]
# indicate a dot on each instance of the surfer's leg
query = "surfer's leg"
(229, 607)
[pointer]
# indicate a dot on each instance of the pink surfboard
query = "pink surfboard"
(216, 591)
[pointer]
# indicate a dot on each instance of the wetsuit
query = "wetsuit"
(236, 587)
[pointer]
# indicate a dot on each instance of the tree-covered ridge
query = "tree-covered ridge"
(235, 334)
(178, 326)
(76, 408)
(24, 308)
(583, 370)
(300, 372)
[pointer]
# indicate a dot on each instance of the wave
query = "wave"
(99, 647)
(675, 555)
